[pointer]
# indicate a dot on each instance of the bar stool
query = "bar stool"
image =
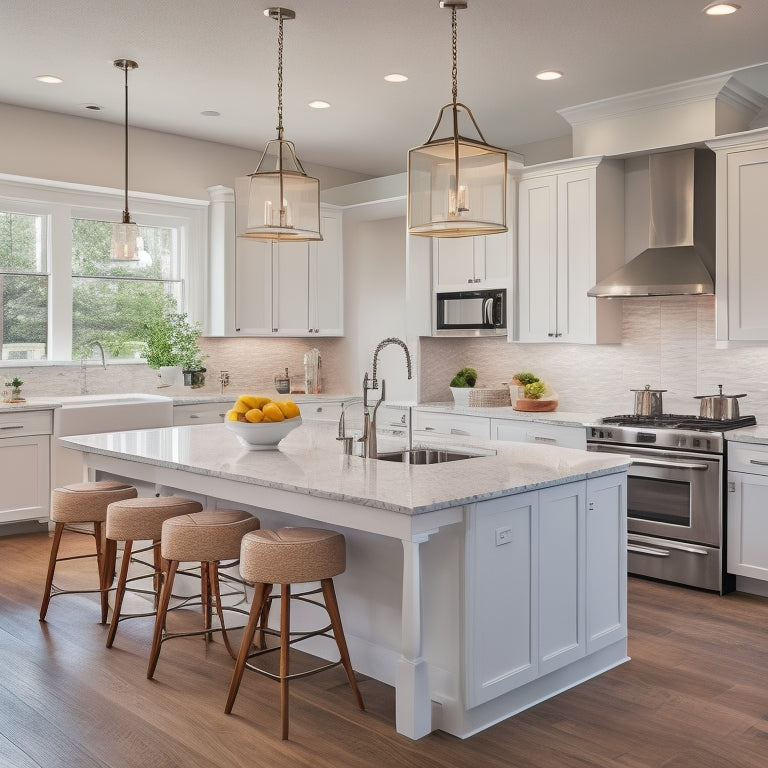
(206, 537)
(83, 503)
(291, 556)
(141, 519)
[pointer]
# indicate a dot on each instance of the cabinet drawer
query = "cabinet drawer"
(327, 411)
(536, 432)
(427, 423)
(18, 423)
(748, 457)
(205, 413)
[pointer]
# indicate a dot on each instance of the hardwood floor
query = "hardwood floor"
(694, 694)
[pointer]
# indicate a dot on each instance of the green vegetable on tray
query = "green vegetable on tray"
(466, 377)
(535, 390)
(525, 378)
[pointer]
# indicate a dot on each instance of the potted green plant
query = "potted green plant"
(171, 346)
(461, 383)
(14, 385)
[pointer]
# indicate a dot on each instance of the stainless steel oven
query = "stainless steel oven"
(675, 495)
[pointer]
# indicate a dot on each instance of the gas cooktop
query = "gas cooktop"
(676, 421)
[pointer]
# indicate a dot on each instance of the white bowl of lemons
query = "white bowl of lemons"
(261, 423)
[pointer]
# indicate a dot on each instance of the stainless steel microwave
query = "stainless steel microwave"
(471, 313)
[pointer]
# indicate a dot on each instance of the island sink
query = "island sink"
(426, 456)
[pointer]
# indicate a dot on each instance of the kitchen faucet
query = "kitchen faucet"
(368, 438)
(83, 372)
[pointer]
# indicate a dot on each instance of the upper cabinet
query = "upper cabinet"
(463, 263)
(286, 289)
(742, 232)
(571, 231)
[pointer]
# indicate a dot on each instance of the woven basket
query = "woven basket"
(489, 398)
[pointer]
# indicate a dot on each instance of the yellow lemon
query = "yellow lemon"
(233, 415)
(289, 409)
(240, 406)
(272, 412)
(255, 415)
(254, 401)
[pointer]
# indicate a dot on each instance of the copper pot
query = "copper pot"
(648, 402)
(720, 406)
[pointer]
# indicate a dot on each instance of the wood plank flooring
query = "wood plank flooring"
(694, 695)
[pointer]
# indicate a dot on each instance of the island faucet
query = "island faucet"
(368, 438)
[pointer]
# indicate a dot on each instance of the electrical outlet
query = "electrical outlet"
(504, 536)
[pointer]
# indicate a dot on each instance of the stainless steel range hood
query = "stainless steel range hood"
(680, 259)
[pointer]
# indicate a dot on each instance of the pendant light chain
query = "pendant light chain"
(279, 74)
(126, 215)
(455, 69)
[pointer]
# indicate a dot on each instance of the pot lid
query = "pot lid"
(719, 394)
(647, 388)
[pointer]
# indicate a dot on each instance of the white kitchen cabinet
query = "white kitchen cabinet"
(570, 233)
(564, 550)
(742, 232)
(427, 423)
(464, 263)
(25, 465)
(290, 289)
(200, 413)
(563, 436)
(748, 510)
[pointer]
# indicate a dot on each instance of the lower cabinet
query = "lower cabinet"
(432, 423)
(747, 553)
(546, 572)
(560, 435)
(25, 465)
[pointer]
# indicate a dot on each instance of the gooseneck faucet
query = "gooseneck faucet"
(368, 438)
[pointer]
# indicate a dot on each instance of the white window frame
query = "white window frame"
(62, 201)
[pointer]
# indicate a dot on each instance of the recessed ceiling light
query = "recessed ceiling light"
(395, 78)
(50, 79)
(721, 9)
(318, 104)
(549, 74)
(210, 113)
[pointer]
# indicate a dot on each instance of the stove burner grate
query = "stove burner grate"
(676, 421)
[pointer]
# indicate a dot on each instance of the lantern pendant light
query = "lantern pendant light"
(457, 186)
(283, 201)
(125, 235)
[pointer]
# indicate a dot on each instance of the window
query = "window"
(23, 286)
(60, 291)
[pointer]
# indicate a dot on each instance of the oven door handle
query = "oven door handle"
(632, 546)
(647, 551)
(668, 464)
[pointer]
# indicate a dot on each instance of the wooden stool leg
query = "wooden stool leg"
(119, 593)
(329, 593)
(266, 605)
(106, 554)
(157, 559)
(254, 618)
(162, 610)
(205, 597)
(58, 530)
(285, 632)
(213, 582)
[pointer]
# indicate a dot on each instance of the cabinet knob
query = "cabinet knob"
(274, 330)
(550, 335)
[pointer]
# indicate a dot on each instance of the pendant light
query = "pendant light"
(283, 201)
(457, 186)
(125, 235)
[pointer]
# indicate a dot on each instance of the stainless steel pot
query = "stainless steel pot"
(648, 402)
(719, 406)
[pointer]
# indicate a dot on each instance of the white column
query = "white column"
(413, 707)
(221, 260)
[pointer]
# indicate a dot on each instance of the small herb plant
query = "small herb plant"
(466, 377)
(14, 383)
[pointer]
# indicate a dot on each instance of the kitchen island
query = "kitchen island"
(476, 587)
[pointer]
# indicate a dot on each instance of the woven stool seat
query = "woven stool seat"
(83, 503)
(207, 537)
(140, 519)
(290, 556)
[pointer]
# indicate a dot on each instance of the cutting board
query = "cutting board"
(539, 406)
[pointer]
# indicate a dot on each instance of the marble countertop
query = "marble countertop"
(310, 461)
(230, 398)
(757, 434)
(30, 404)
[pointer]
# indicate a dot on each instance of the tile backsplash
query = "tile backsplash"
(667, 342)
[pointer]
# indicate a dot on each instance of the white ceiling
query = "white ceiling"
(197, 55)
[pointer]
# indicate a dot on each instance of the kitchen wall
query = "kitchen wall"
(667, 342)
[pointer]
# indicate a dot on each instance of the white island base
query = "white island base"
(476, 588)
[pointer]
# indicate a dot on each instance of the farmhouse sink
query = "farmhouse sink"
(91, 414)
(427, 456)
